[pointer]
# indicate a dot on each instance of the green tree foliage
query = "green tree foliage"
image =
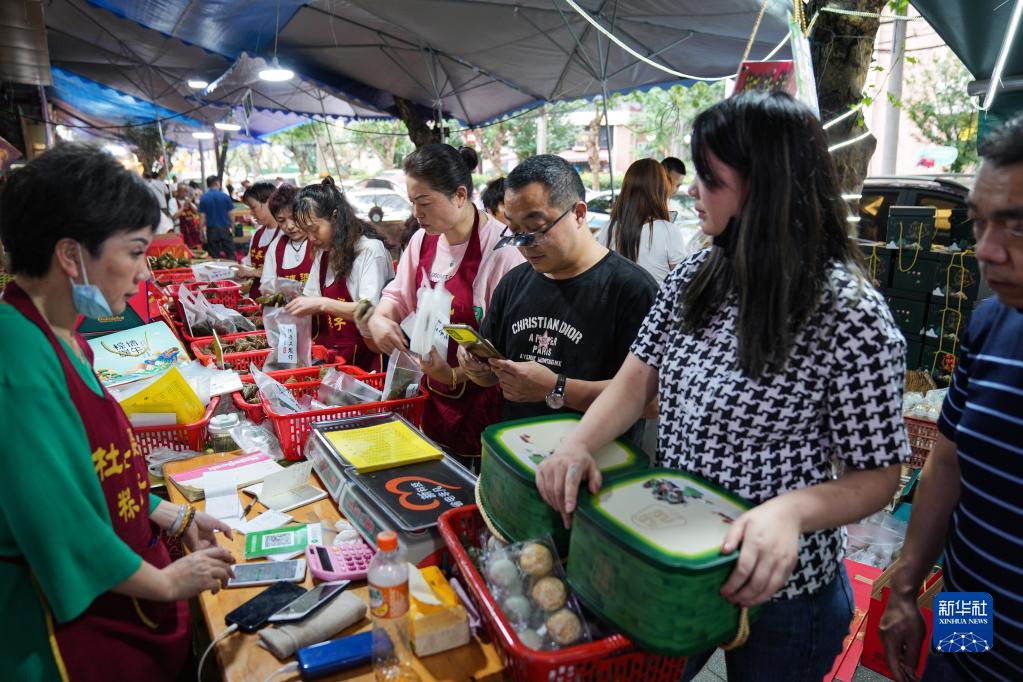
(145, 140)
(666, 115)
(561, 134)
(386, 140)
(943, 111)
(300, 142)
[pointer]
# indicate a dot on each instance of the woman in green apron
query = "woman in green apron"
(83, 571)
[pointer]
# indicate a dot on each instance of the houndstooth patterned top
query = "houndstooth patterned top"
(838, 398)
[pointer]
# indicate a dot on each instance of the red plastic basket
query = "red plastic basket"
(306, 377)
(175, 246)
(177, 437)
(197, 342)
(292, 429)
(922, 436)
(612, 658)
(188, 338)
(225, 292)
(240, 362)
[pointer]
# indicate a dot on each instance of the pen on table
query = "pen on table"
(248, 508)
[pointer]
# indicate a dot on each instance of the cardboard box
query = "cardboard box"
(909, 308)
(911, 228)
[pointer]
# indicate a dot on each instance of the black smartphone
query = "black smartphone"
(254, 614)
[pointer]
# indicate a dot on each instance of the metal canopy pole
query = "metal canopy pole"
(610, 143)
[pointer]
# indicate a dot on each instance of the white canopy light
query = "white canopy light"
(203, 135)
(275, 73)
(223, 125)
(197, 84)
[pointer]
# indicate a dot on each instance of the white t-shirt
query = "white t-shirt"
(661, 248)
(292, 259)
(158, 188)
(371, 271)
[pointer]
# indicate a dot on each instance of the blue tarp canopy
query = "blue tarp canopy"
(473, 61)
(96, 47)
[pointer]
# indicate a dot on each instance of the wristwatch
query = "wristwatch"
(556, 398)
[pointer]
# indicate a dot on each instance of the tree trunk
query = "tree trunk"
(418, 131)
(593, 150)
(841, 47)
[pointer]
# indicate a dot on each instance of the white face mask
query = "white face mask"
(87, 298)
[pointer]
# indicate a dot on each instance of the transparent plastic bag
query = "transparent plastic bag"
(433, 311)
(403, 376)
(340, 388)
(276, 394)
(257, 438)
(280, 291)
(290, 338)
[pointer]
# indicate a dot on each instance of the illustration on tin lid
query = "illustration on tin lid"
(656, 509)
(532, 443)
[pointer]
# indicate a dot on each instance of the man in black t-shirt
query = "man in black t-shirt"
(566, 318)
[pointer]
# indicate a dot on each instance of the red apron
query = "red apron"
(300, 271)
(116, 637)
(257, 256)
(189, 222)
(338, 333)
(456, 418)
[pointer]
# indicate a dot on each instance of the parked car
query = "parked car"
(598, 210)
(880, 193)
(392, 180)
(379, 205)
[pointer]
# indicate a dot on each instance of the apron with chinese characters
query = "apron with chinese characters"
(338, 333)
(257, 256)
(300, 271)
(116, 637)
(456, 417)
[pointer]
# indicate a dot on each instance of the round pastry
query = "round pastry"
(564, 627)
(536, 560)
(517, 607)
(502, 572)
(530, 638)
(550, 593)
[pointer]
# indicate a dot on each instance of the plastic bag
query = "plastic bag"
(212, 271)
(276, 394)
(290, 338)
(403, 376)
(257, 438)
(280, 291)
(161, 455)
(433, 311)
(340, 388)
(231, 317)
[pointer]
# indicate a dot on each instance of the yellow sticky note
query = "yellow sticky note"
(382, 446)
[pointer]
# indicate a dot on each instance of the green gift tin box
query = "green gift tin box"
(645, 556)
(512, 451)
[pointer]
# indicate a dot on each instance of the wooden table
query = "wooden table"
(243, 660)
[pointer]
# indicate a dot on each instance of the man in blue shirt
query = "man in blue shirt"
(215, 207)
(974, 474)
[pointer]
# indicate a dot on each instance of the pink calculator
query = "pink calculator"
(346, 562)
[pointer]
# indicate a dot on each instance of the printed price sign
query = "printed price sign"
(287, 343)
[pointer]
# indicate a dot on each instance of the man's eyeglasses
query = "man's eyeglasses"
(524, 239)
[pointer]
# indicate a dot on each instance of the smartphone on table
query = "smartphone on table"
(470, 339)
(256, 612)
(267, 572)
(310, 601)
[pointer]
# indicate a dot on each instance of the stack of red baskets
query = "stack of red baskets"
(922, 436)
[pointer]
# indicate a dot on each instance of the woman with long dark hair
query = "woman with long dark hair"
(349, 266)
(456, 248)
(640, 229)
(779, 371)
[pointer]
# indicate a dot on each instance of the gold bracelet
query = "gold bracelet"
(454, 379)
(189, 517)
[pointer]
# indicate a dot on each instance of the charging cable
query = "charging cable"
(218, 638)
(289, 668)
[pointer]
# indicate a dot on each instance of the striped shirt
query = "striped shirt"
(983, 414)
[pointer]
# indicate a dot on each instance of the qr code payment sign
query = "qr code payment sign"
(278, 540)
